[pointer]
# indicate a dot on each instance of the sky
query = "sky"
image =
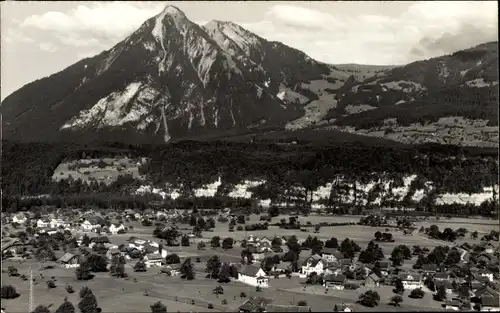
(42, 38)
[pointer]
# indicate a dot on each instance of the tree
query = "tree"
(369, 298)
(83, 272)
(215, 242)
(187, 270)
(201, 245)
(474, 235)
(140, 266)
(241, 219)
(158, 307)
(51, 284)
(70, 289)
(417, 293)
(66, 307)
(185, 241)
(172, 259)
(96, 263)
(88, 302)
(213, 266)
(317, 228)
(41, 309)
(302, 303)
(12, 271)
(378, 236)
(332, 243)
(225, 273)
(440, 294)
(335, 308)
(118, 266)
(396, 300)
(9, 292)
(399, 288)
(227, 243)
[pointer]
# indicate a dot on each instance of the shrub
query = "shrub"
(210, 306)
(417, 293)
(70, 289)
(302, 303)
(9, 292)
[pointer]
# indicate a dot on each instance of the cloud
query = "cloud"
(12, 35)
(425, 29)
(47, 46)
(94, 24)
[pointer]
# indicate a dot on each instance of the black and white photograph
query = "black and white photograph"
(249, 156)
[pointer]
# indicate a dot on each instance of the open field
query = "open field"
(125, 295)
(89, 169)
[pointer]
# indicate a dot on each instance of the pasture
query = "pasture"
(104, 170)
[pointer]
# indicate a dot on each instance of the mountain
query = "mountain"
(173, 79)
(169, 79)
(451, 99)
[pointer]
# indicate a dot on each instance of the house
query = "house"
(476, 285)
(411, 281)
(429, 268)
(254, 304)
(257, 253)
(448, 285)
(100, 239)
(441, 276)
(334, 281)
(149, 248)
(286, 308)
(253, 275)
(115, 228)
(42, 223)
(487, 246)
(19, 218)
(51, 231)
(138, 243)
(70, 260)
(56, 222)
(314, 263)
(344, 307)
(490, 304)
(91, 224)
(331, 255)
(174, 269)
(153, 260)
(372, 281)
(486, 291)
(333, 269)
(384, 268)
(129, 213)
(265, 241)
(485, 273)
(453, 304)
(113, 252)
(281, 267)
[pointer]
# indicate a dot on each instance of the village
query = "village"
(247, 263)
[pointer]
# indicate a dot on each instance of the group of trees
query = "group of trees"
(192, 164)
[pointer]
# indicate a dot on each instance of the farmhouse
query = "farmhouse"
(173, 269)
(429, 268)
(153, 260)
(253, 275)
(254, 304)
(335, 281)
(314, 263)
(411, 280)
(331, 255)
(115, 228)
(19, 218)
(372, 280)
(70, 260)
(56, 222)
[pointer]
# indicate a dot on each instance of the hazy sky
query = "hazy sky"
(41, 38)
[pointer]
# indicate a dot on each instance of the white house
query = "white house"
(56, 222)
(90, 224)
(335, 281)
(115, 228)
(253, 275)
(153, 260)
(19, 218)
(487, 274)
(331, 255)
(314, 263)
(411, 281)
(42, 223)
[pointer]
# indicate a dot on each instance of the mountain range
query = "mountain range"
(173, 79)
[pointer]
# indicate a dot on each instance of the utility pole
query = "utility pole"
(31, 299)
